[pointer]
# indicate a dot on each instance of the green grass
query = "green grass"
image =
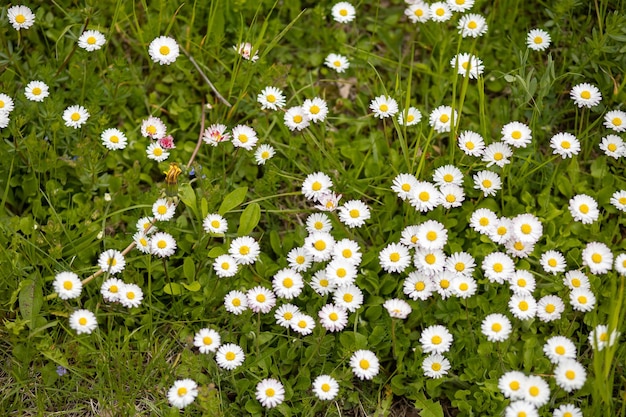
(54, 216)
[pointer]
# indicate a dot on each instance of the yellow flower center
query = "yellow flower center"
(518, 246)
(236, 302)
(113, 289)
(323, 282)
(300, 259)
(444, 118)
(158, 151)
(288, 283)
(612, 147)
(465, 65)
(297, 118)
(406, 187)
(584, 209)
(36, 91)
(560, 350)
(436, 366)
(271, 98)
(151, 129)
(314, 109)
(469, 145)
(498, 156)
(288, 315)
(164, 50)
(316, 186)
(521, 282)
(346, 253)
(604, 337)
(230, 356)
(68, 285)
(181, 391)
(526, 228)
(569, 374)
(431, 235)
(320, 245)
(337, 63)
(622, 200)
(448, 177)
(575, 282)
(419, 286)
(523, 305)
(487, 183)
(265, 155)
(550, 308)
(616, 121)
(215, 224)
(566, 145)
(325, 387)
(354, 213)
(552, 262)
(161, 244)
(111, 262)
(364, 364)
(463, 286)
(244, 250)
(143, 241)
(596, 258)
(459, 267)
(162, 210)
(450, 198)
(75, 116)
(394, 257)
(444, 283)
(440, 12)
(114, 139)
(414, 239)
(586, 95)
(516, 134)
(348, 298)
(514, 385)
(243, 138)
(341, 272)
(472, 25)
(343, 12)
(538, 40)
(270, 392)
(20, 18)
(533, 391)
(82, 321)
(130, 295)
(410, 118)
(424, 196)
(91, 40)
(582, 299)
(384, 107)
(225, 266)
(260, 298)
(436, 340)
(333, 316)
(419, 12)
(483, 221)
(496, 327)
(430, 259)
(302, 324)
(498, 267)
(521, 414)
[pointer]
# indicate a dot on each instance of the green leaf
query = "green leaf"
(193, 287)
(188, 196)
(173, 289)
(189, 269)
(216, 251)
(249, 219)
(30, 301)
(232, 200)
(428, 407)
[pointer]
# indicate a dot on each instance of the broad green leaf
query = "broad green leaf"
(173, 289)
(428, 407)
(189, 268)
(216, 251)
(249, 219)
(193, 287)
(30, 301)
(232, 200)
(188, 196)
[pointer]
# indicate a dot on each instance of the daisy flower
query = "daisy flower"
(460, 263)
(567, 410)
(460, 5)
(325, 387)
(299, 260)
(75, 116)
(303, 324)
(550, 308)
(429, 262)
(341, 272)
(333, 318)
(337, 62)
(244, 137)
(319, 245)
(285, 314)
(538, 40)
(214, 134)
(347, 250)
(328, 201)
(559, 348)
(236, 302)
(263, 153)
(418, 12)
(207, 340)
(432, 235)
(163, 210)
(287, 283)
(215, 223)
(584, 209)
(364, 364)
(343, 12)
(409, 236)
(472, 25)
(598, 257)
(576, 279)
(36, 91)
(397, 308)
(153, 127)
(20, 17)
(527, 228)
(394, 258)
(463, 286)
(620, 264)
(615, 120)
(516, 134)
(113, 139)
(271, 98)
(110, 289)
(501, 231)
(510, 385)
(435, 366)
(111, 261)
(245, 250)
(498, 267)
(483, 221)
(521, 408)
(321, 284)
(536, 391)
(424, 196)
(613, 146)
(384, 106)
(441, 117)
(522, 282)
(447, 174)
(497, 327)
(167, 142)
(163, 50)
(349, 297)
(409, 117)
(440, 12)
(229, 356)
(418, 286)
(260, 299)
(83, 321)
(318, 222)
(599, 337)
(354, 213)
(270, 392)
(497, 153)
(182, 393)
(451, 196)
(436, 339)
(404, 184)
(296, 119)
(6, 104)
(245, 50)
(225, 266)
(570, 375)
(553, 262)
(315, 109)
(471, 143)
(156, 152)
(144, 225)
(130, 295)
(488, 182)
(582, 299)
(67, 285)
(316, 184)
(618, 200)
(162, 244)
(565, 144)
(585, 95)
(91, 40)
(443, 283)
(468, 65)
(523, 306)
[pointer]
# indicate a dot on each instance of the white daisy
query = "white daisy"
(245, 49)
(519, 249)
(472, 25)
(384, 106)
(296, 119)
(585, 95)
(447, 174)
(584, 208)
(328, 201)
(483, 221)
(315, 109)
(559, 348)
(318, 222)
(260, 299)
(263, 153)
(404, 184)
(163, 210)
(215, 134)
(229, 356)
(550, 308)
(570, 375)
(441, 117)
(430, 262)
(36, 91)
(325, 387)
(91, 40)
(83, 321)
(567, 410)
(488, 182)
(321, 284)
(343, 12)
(618, 200)
(319, 245)
(615, 120)
(565, 144)
(600, 337)
(163, 50)
(142, 242)
(397, 308)
(354, 213)
(471, 143)
(582, 299)
(538, 39)
(501, 231)
(418, 286)
(467, 65)
(156, 152)
(418, 11)
(215, 223)
(424, 196)
(521, 408)
(299, 259)
(498, 153)
(225, 266)
(511, 385)
(271, 98)
(113, 139)
(111, 261)
(408, 236)
(316, 184)
(463, 286)
(553, 262)
(394, 258)
(111, 289)
(440, 11)
(460, 263)
(435, 366)
(497, 327)
(432, 235)
(182, 393)
(341, 272)
(337, 62)
(130, 296)
(516, 134)
(20, 17)
(349, 297)
(333, 318)
(443, 283)
(67, 285)
(75, 116)
(460, 5)
(522, 282)
(245, 250)
(270, 392)
(364, 364)
(207, 340)
(347, 250)
(576, 279)
(236, 302)
(527, 228)
(285, 314)
(303, 324)
(153, 128)
(613, 146)
(244, 137)
(162, 244)
(523, 306)
(498, 267)
(536, 390)
(620, 264)
(409, 117)
(598, 257)
(287, 283)
(436, 339)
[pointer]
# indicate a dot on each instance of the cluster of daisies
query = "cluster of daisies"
(312, 110)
